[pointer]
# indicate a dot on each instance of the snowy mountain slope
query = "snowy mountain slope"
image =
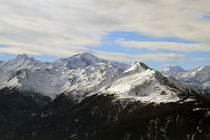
(80, 74)
(139, 98)
(12, 70)
(139, 82)
(198, 77)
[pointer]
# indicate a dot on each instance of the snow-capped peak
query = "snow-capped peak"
(199, 76)
(80, 60)
(85, 54)
(137, 67)
(22, 56)
(172, 70)
(25, 57)
(139, 82)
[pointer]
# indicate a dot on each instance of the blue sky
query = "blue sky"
(159, 33)
(110, 45)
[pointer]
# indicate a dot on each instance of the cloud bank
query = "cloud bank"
(173, 46)
(66, 27)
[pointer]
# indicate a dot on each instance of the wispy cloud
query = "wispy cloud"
(173, 46)
(201, 58)
(139, 57)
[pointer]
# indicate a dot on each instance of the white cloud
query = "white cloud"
(173, 46)
(105, 55)
(65, 27)
(139, 57)
(201, 59)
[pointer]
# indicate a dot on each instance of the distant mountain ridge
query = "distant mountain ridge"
(196, 77)
(172, 70)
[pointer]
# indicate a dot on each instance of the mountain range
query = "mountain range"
(199, 78)
(85, 97)
(79, 72)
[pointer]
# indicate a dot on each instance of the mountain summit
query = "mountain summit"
(81, 60)
(139, 82)
(198, 77)
(172, 70)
